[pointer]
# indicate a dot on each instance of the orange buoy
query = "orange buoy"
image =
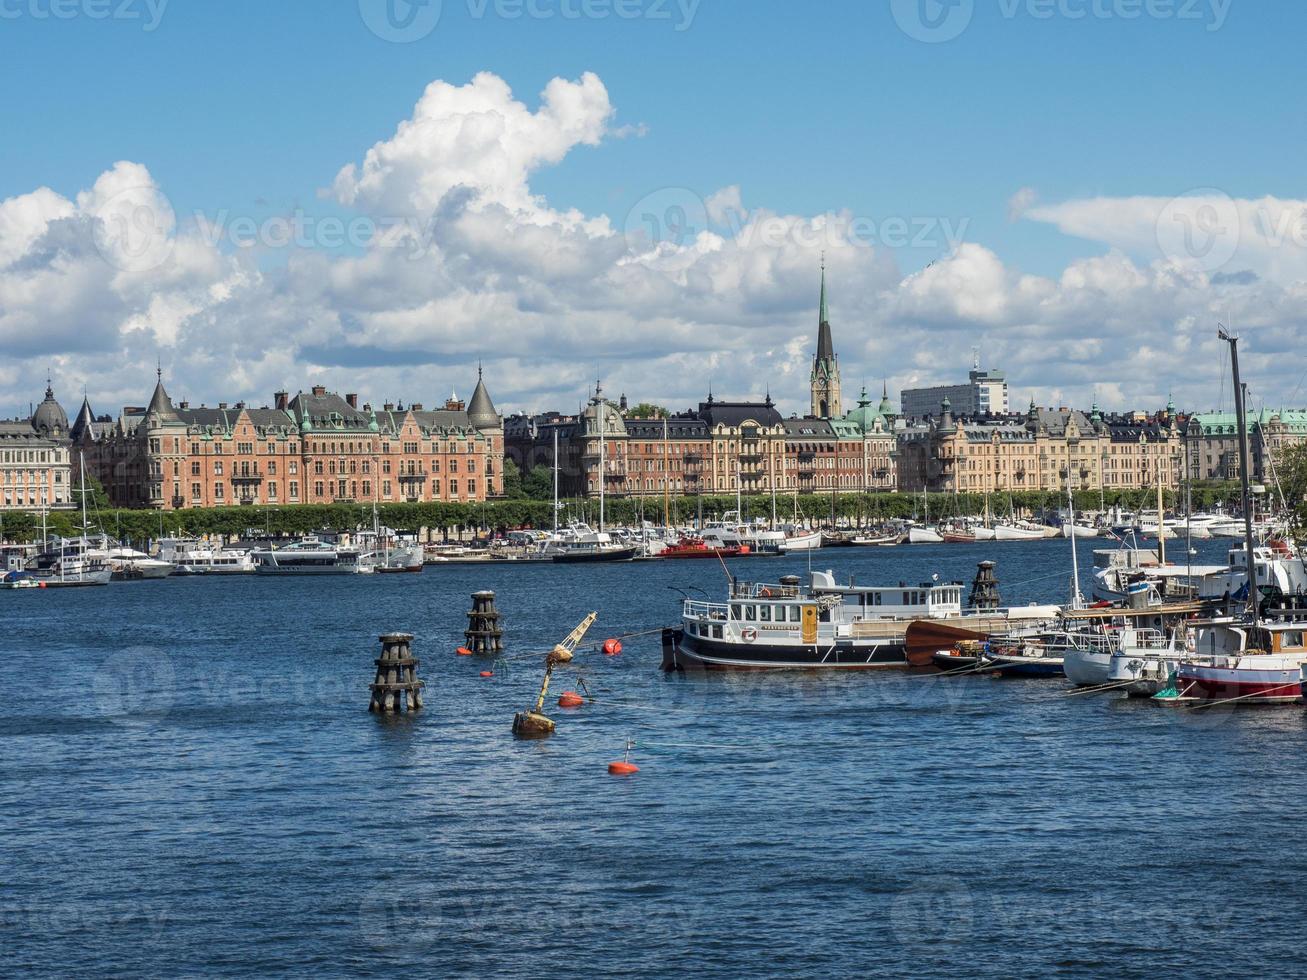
(612, 647)
(463, 652)
(622, 768)
(570, 699)
(487, 673)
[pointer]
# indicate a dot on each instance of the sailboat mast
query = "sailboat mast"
(1244, 490)
(555, 479)
(1161, 525)
(667, 478)
(1075, 561)
(603, 438)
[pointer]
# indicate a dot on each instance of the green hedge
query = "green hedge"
(140, 525)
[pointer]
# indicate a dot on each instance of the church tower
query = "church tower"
(825, 381)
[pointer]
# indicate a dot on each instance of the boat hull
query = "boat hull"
(682, 652)
(1028, 666)
(1246, 685)
(585, 557)
(924, 535)
(1087, 668)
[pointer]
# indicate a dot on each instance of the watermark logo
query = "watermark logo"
(1200, 228)
(134, 687)
(933, 21)
(148, 13)
(133, 229)
(937, 909)
(673, 218)
(401, 21)
(936, 21)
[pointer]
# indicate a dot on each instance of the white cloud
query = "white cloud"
(552, 299)
(1021, 202)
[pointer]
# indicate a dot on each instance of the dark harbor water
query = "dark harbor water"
(193, 786)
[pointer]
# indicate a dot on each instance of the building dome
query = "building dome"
(50, 419)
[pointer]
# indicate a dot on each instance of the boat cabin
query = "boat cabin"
(927, 600)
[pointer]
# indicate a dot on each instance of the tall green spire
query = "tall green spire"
(824, 315)
(825, 346)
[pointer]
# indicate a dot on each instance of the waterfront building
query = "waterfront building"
(35, 459)
(985, 393)
(317, 447)
(1212, 440)
(1042, 450)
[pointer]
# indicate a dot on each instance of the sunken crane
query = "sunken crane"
(532, 723)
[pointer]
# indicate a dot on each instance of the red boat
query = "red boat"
(689, 547)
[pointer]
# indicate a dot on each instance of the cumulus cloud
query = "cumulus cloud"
(675, 291)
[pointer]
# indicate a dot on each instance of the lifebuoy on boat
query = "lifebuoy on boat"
(748, 634)
(765, 592)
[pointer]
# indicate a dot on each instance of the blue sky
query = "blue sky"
(254, 107)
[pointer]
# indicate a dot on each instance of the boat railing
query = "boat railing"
(764, 590)
(698, 609)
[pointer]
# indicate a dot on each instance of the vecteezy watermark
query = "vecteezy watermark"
(133, 229)
(405, 21)
(400, 21)
(149, 13)
(134, 687)
(675, 217)
(1201, 227)
(937, 21)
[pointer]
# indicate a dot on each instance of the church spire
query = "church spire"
(825, 381)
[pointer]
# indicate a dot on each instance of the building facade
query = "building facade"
(1212, 442)
(315, 448)
(1044, 450)
(985, 393)
(35, 459)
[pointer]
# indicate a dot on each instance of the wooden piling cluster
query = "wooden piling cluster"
(397, 685)
(984, 588)
(484, 634)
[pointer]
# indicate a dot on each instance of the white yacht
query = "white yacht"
(310, 556)
(127, 564)
(189, 556)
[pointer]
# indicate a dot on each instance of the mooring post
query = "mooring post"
(396, 685)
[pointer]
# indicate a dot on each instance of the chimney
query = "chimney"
(222, 406)
(319, 391)
(388, 407)
(352, 400)
(282, 400)
(183, 405)
(416, 407)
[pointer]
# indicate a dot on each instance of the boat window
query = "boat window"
(794, 614)
(1291, 639)
(778, 614)
(764, 614)
(717, 632)
(749, 613)
(735, 610)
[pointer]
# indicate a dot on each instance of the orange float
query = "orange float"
(622, 768)
(487, 673)
(463, 652)
(570, 699)
(612, 647)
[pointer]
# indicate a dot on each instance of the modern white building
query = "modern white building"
(985, 393)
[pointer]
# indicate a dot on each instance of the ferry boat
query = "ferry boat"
(825, 626)
(191, 557)
(310, 556)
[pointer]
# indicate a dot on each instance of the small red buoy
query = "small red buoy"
(570, 699)
(463, 652)
(43, 585)
(487, 673)
(612, 647)
(622, 768)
